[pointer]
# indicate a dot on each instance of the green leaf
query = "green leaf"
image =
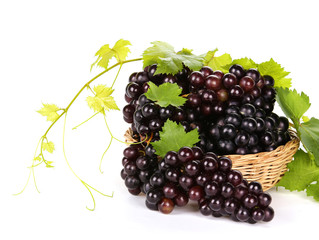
(173, 137)
(275, 70)
(305, 119)
(49, 111)
(168, 61)
(294, 105)
(105, 53)
(309, 133)
(218, 63)
(165, 94)
(246, 63)
(102, 100)
(48, 146)
(301, 175)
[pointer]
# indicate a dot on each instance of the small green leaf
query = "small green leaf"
(168, 61)
(165, 94)
(218, 63)
(305, 119)
(301, 174)
(48, 146)
(294, 105)
(102, 100)
(38, 158)
(275, 70)
(105, 53)
(173, 137)
(49, 111)
(313, 190)
(309, 133)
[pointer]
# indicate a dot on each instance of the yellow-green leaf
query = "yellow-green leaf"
(49, 111)
(48, 146)
(305, 119)
(105, 53)
(102, 100)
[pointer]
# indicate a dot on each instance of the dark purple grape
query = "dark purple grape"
(192, 168)
(144, 176)
(255, 187)
(264, 199)
(194, 100)
(138, 117)
(172, 174)
(131, 153)
(170, 190)
(165, 205)
(260, 113)
(219, 177)
(237, 70)
(261, 82)
(253, 73)
(225, 164)
(260, 124)
(186, 182)
(234, 102)
(145, 87)
(269, 93)
(196, 79)
(181, 199)
(132, 182)
(208, 96)
(204, 208)
(154, 195)
(249, 125)
(219, 108)
(166, 112)
(169, 79)
(256, 92)
(243, 214)
(231, 205)
(227, 190)
(269, 214)
(234, 177)
(151, 206)
(218, 74)
(155, 124)
(157, 179)
(247, 110)
(196, 193)
(250, 201)
(132, 77)
(202, 178)
(206, 109)
(267, 138)
(269, 81)
(229, 80)
(128, 111)
(240, 191)
(135, 191)
(236, 92)
(242, 151)
(233, 118)
(171, 158)
(226, 146)
(198, 153)
(228, 131)
(216, 203)
(127, 98)
(143, 129)
(214, 132)
(143, 162)
(253, 140)
(247, 83)
(213, 82)
(150, 110)
(257, 214)
(209, 164)
(268, 107)
(142, 100)
(142, 77)
(212, 188)
(242, 139)
(283, 124)
(123, 174)
(259, 102)
(247, 98)
(150, 151)
(206, 71)
(270, 123)
(232, 109)
(179, 115)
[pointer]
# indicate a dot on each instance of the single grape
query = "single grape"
(253, 73)
(247, 110)
(181, 199)
(204, 208)
(169, 79)
(247, 98)
(196, 79)
(198, 153)
(264, 199)
(231, 205)
(227, 190)
(228, 131)
(250, 201)
(150, 110)
(242, 139)
(132, 77)
(123, 174)
(214, 132)
(142, 77)
(255, 187)
(269, 214)
(196, 193)
(234, 177)
(165, 205)
(131, 153)
(216, 203)
(143, 162)
(172, 174)
(236, 92)
(257, 214)
(170, 190)
(249, 125)
(229, 80)
(219, 177)
(186, 182)
(226, 146)
(206, 71)
(212, 188)
(267, 138)
(247, 83)
(269, 81)
(194, 100)
(269, 93)
(157, 179)
(192, 168)
(233, 118)
(237, 70)
(222, 95)
(208, 96)
(132, 182)
(243, 214)
(213, 82)
(225, 164)
(283, 124)
(240, 191)
(209, 164)
(151, 206)
(155, 124)
(256, 92)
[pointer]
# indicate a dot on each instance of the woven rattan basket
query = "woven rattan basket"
(264, 167)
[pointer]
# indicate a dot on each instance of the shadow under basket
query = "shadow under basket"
(265, 167)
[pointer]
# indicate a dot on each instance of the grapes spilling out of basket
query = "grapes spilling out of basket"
(233, 113)
(192, 175)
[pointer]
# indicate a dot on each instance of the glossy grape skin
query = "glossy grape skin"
(155, 124)
(249, 125)
(132, 182)
(214, 132)
(166, 112)
(253, 73)
(250, 201)
(131, 153)
(143, 162)
(247, 110)
(234, 177)
(196, 193)
(242, 139)
(170, 190)
(206, 71)
(194, 100)
(264, 199)
(196, 79)
(255, 187)
(237, 70)
(269, 81)
(228, 131)
(208, 96)
(186, 182)
(171, 158)
(151, 206)
(234, 119)
(227, 190)
(204, 208)
(267, 138)
(133, 90)
(212, 188)
(157, 179)
(229, 80)
(269, 214)
(165, 205)
(243, 214)
(231, 205)
(222, 95)
(236, 92)
(128, 111)
(213, 82)
(269, 93)
(283, 124)
(240, 191)
(192, 168)
(181, 199)
(142, 77)
(247, 83)
(150, 110)
(198, 153)
(216, 203)
(225, 164)
(226, 146)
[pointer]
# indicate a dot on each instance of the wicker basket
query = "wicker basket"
(264, 167)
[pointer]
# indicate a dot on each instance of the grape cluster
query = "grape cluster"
(233, 112)
(192, 175)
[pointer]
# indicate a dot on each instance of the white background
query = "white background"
(46, 51)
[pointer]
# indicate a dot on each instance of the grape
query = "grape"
(181, 199)
(269, 81)
(267, 138)
(132, 182)
(247, 83)
(133, 90)
(225, 164)
(234, 119)
(171, 158)
(212, 188)
(234, 177)
(269, 93)
(254, 74)
(231, 205)
(208, 96)
(243, 214)
(257, 214)
(253, 140)
(166, 112)
(143, 162)
(154, 195)
(255, 187)
(192, 168)
(264, 199)
(213, 82)
(170, 190)
(240, 191)
(179, 115)
(131, 153)
(229, 80)
(214, 132)
(196, 79)
(283, 124)
(157, 179)
(247, 110)
(227, 190)
(142, 77)
(260, 113)
(123, 174)
(250, 201)
(222, 95)
(226, 146)
(256, 92)
(228, 131)
(150, 110)
(151, 206)
(259, 102)
(150, 151)
(155, 124)
(198, 153)
(236, 92)
(206, 71)
(242, 138)
(196, 193)
(132, 77)
(204, 208)
(216, 203)
(169, 79)
(269, 214)
(237, 70)
(249, 125)
(194, 100)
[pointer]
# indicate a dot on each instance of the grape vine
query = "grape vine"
(100, 103)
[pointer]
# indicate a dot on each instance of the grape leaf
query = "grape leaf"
(48, 146)
(294, 105)
(102, 100)
(105, 53)
(218, 63)
(275, 70)
(165, 94)
(301, 175)
(168, 61)
(246, 63)
(305, 118)
(309, 133)
(173, 137)
(49, 111)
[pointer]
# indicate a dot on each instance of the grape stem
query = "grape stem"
(64, 112)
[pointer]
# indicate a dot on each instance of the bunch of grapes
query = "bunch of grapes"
(192, 175)
(233, 112)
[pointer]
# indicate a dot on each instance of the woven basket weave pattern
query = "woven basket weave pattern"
(264, 167)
